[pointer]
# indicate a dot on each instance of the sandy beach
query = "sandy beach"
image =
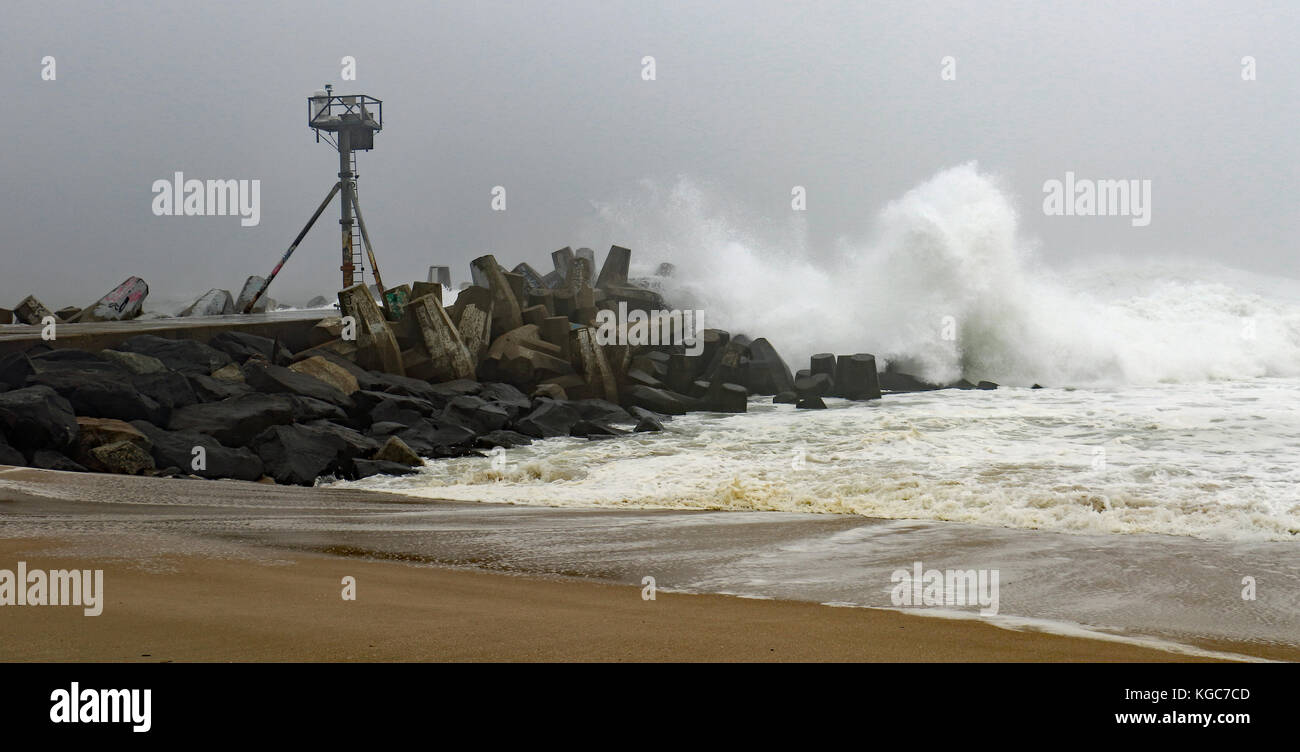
(191, 608)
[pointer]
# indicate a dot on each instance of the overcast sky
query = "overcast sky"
(547, 99)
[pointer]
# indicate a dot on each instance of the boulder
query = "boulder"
(169, 389)
(366, 468)
(811, 403)
(9, 455)
(328, 372)
(241, 346)
(213, 389)
(602, 410)
(235, 421)
(272, 379)
(134, 362)
(123, 303)
(214, 302)
(49, 459)
(396, 450)
(298, 455)
(359, 444)
(503, 439)
(430, 440)
(658, 400)
(93, 432)
(595, 429)
(176, 449)
(513, 401)
(548, 419)
(785, 398)
(184, 355)
(648, 424)
(15, 368)
(121, 457)
(101, 394)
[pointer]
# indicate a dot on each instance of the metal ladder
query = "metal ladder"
(358, 250)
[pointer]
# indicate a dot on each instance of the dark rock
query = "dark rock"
(176, 449)
(640, 413)
(273, 379)
(785, 398)
(601, 410)
(235, 421)
(391, 411)
(308, 409)
(366, 468)
(49, 459)
(513, 401)
(504, 439)
(1036, 386)
(648, 424)
(430, 440)
(367, 402)
(122, 457)
(388, 428)
(298, 455)
(102, 394)
(988, 385)
(241, 346)
(659, 400)
(902, 382)
(549, 419)
(811, 403)
(184, 355)
(474, 413)
(14, 370)
(396, 450)
(36, 417)
(593, 429)
(209, 389)
(359, 443)
(9, 455)
(170, 389)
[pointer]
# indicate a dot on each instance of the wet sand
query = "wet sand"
(231, 571)
(192, 608)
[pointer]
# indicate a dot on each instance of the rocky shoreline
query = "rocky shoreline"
(519, 356)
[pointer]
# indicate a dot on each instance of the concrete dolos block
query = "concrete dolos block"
(614, 271)
(449, 358)
(124, 303)
(377, 348)
(505, 306)
(32, 311)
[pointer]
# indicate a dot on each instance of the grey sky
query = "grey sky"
(547, 100)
